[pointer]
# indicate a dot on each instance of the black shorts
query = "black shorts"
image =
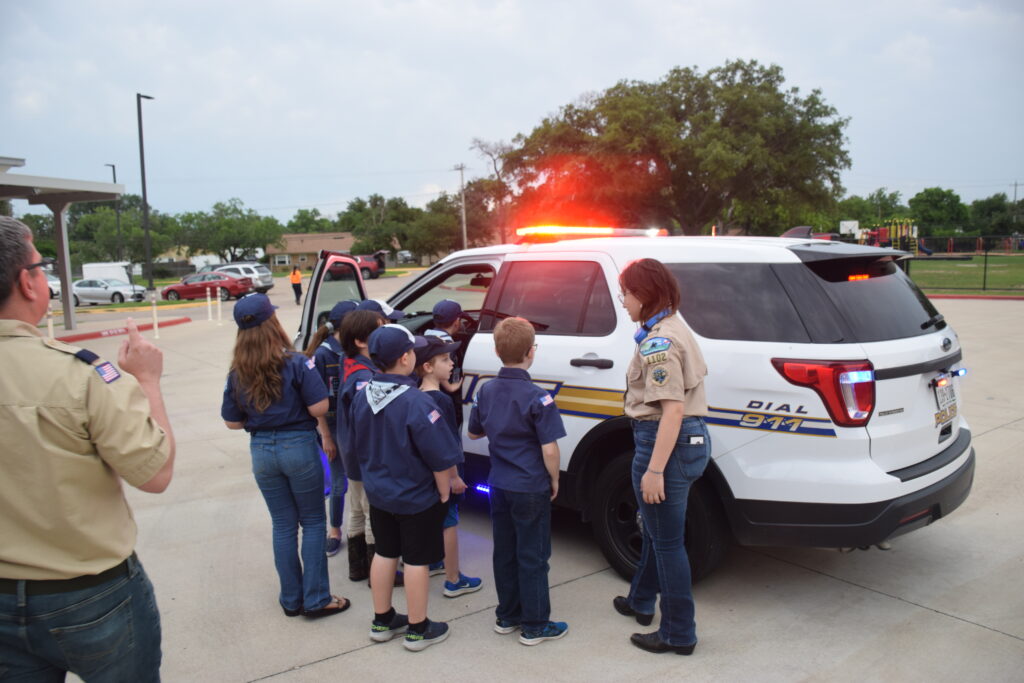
(418, 539)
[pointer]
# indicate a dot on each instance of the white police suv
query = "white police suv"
(832, 382)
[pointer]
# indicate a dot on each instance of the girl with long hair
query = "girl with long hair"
(277, 396)
(666, 401)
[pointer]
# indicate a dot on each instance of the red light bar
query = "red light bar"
(858, 277)
(550, 233)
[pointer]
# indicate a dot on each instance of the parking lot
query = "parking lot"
(945, 603)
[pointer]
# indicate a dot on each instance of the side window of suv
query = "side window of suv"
(558, 297)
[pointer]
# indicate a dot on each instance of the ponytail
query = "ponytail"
(325, 330)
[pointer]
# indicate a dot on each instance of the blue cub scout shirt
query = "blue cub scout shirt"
(518, 417)
(329, 357)
(402, 440)
(350, 387)
(301, 387)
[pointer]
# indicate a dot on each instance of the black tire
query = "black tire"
(77, 302)
(118, 298)
(223, 293)
(365, 272)
(173, 295)
(617, 530)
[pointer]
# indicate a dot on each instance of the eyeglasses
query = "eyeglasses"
(48, 261)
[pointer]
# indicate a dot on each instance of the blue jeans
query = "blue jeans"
(664, 566)
(521, 525)
(109, 632)
(288, 471)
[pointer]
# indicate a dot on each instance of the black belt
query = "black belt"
(50, 586)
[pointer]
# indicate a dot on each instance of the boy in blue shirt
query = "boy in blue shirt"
(407, 459)
(523, 425)
(433, 365)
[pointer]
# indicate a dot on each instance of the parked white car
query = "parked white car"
(54, 283)
(105, 291)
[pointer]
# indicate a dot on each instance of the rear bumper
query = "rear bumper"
(823, 525)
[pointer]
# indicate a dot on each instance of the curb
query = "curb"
(984, 297)
(114, 331)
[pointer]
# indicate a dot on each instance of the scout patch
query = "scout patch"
(654, 345)
(108, 372)
(434, 416)
(311, 363)
(546, 400)
(655, 358)
(660, 376)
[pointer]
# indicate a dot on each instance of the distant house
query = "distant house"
(303, 249)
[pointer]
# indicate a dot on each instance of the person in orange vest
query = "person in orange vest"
(296, 279)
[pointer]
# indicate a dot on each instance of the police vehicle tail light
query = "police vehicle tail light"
(847, 388)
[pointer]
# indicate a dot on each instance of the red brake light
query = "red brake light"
(846, 387)
(851, 278)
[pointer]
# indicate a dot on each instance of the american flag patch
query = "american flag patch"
(311, 363)
(108, 372)
(360, 385)
(546, 400)
(434, 416)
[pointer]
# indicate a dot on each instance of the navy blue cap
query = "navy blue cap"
(340, 310)
(446, 312)
(434, 346)
(381, 307)
(253, 310)
(387, 343)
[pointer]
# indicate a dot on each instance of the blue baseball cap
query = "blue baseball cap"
(446, 312)
(340, 310)
(381, 307)
(387, 343)
(434, 346)
(253, 310)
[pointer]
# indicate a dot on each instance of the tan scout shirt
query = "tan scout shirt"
(67, 438)
(668, 364)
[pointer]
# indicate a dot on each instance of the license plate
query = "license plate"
(944, 396)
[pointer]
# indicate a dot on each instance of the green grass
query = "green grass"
(1005, 272)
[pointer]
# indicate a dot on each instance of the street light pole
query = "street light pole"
(145, 202)
(117, 211)
(462, 190)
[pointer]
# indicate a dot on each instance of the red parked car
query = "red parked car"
(219, 284)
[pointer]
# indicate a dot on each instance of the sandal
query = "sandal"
(335, 606)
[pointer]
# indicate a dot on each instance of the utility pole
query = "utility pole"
(117, 211)
(1015, 209)
(462, 190)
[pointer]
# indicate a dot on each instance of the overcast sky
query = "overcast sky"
(311, 103)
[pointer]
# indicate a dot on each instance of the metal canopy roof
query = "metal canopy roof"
(55, 193)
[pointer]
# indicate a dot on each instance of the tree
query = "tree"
(377, 223)
(938, 211)
(309, 220)
(437, 229)
(993, 216)
(729, 146)
(229, 230)
(102, 243)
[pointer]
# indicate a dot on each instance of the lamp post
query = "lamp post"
(462, 189)
(145, 203)
(117, 211)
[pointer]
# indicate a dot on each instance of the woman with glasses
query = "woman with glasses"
(665, 399)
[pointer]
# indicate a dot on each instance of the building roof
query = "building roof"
(313, 242)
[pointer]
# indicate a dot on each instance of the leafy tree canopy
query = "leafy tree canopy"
(309, 220)
(229, 230)
(731, 146)
(938, 211)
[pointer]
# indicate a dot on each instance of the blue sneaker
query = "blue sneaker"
(505, 627)
(333, 546)
(436, 568)
(382, 633)
(435, 633)
(553, 630)
(466, 584)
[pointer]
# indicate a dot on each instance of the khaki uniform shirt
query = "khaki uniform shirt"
(667, 364)
(67, 438)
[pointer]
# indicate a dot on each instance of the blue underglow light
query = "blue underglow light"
(959, 372)
(483, 488)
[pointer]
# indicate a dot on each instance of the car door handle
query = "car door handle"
(600, 363)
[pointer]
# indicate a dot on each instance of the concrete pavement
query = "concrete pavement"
(945, 604)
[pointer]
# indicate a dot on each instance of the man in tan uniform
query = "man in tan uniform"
(73, 595)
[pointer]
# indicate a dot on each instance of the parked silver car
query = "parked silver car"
(105, 291)
(54, 283)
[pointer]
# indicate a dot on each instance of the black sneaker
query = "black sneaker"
(382, 633)
(435, 633)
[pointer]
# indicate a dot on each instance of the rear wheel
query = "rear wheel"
(223, 293)
(617, 529)
(118, 298)
(173, 295)
(77, 302)
(365, 273)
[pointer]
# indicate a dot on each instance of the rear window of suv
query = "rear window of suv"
(827, 301)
